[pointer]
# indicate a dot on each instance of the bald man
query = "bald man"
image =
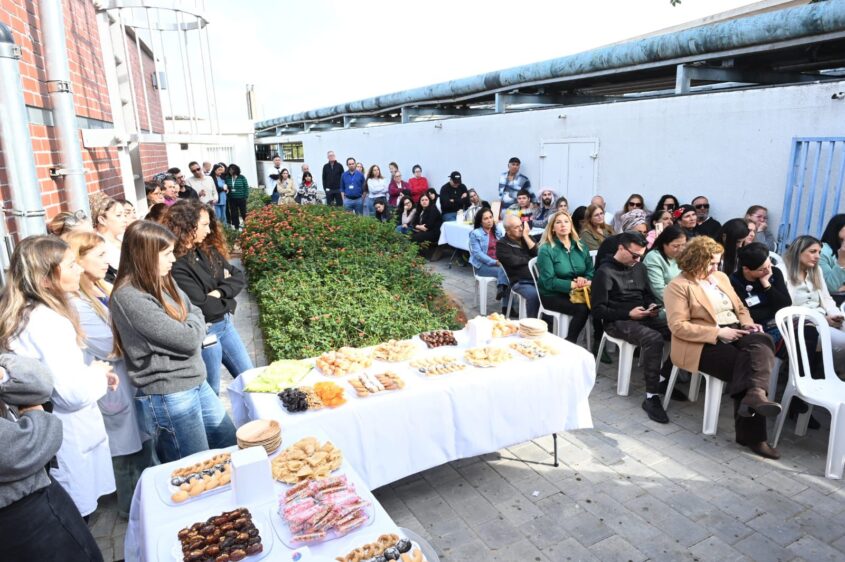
(514, 250)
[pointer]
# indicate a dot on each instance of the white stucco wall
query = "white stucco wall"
(732, 146)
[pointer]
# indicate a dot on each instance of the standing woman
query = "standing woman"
(212, 283)
(110, 223)
(130, 451)
(285, 189)
(222, 192)
(376, 188)
(397, 189)
(418, 184)
(713, 332)
(594, 230)
(563, 264)
(161, 334)
(238, 193)
(307, 191)
(39, 321)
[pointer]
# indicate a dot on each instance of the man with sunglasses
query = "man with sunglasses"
(623, 301)
(202, 184)
(707, 225)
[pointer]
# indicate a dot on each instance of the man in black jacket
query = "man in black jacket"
(453, 197)
(332, 171)
(623, 301)
(514, 251)
(706, 225)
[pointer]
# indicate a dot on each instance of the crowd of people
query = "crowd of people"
(114, 334)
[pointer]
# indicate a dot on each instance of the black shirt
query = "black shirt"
(710, 228)
(331, 176)
(198, 274)
(617, 289)
(450, 198)
(762, 303)
(514, 257)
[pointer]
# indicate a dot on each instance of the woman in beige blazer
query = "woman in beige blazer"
(713, 332)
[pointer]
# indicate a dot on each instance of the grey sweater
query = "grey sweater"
(29, 441)
(162, 354)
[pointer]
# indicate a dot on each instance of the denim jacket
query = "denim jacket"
(478, 241)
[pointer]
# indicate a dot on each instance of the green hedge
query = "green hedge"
(325, 278)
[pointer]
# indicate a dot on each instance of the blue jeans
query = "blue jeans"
(493, 271)
(403, 229)
(354, 205)
(448, 217)
(528, 291)
(187, 422)
(220, 213)
(229, 351)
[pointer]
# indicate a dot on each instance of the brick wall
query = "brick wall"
(144, 78)
(153, 159)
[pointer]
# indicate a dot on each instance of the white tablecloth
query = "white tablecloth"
(153, 524)
(455, 234)
(438, 419)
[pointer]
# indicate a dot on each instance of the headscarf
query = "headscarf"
(632, 219)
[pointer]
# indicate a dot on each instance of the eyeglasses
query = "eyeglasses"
(195, 169)
(702, 206)
(669, 206)
(634, 255)
(636, 204)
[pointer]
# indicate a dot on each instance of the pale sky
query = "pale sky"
(308, 54)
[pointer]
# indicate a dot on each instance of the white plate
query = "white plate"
(166, 489)
(170, 549)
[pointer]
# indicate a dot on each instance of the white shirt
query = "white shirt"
(377, 187)
(204, 187)
(270, 185)
(807, 295)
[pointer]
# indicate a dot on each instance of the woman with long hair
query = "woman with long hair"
(807, 287)
(732, 237)
(482, 251)
(160, 334)
(713, 332)
(426, 226)
(405, 216)
(377, 188)
(660, 262)
(110, 223)
(39, 321)
(562, 204)
(593, 230)
(667, 203)
(212, 283)
(222, 191)
(130, 451)
(659, 221)
(238, 193)
(833, 254)
(285, 188)
(564, 264)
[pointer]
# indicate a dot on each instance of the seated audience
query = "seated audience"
(833, 254)
(131, 452)
(578, 216)
(634, 221)
(752, 232)
(594, 230)
(382, 212)
(405, 216)
(564, 264)
(705, 224)
(514, 251)
(562, 204)
(454, 197)
(667, 203)
(40, 322)
(212, 284)
(482, 251)
(427, 222)
(732, 237)
(67, 222)
(475, 205)
(660, 262)
(623, 301)
(160, 334)
(545, 208)
(377, 188)
(658, 222)
(599, 201)
(713, 332)
(523, 209)
(760, 216)
(397, 189)
(685, 217)
(432, 195)
(807, 287)
(635, 201)
(418, 184)
(110, 223)
(306, 194)
(38, 519)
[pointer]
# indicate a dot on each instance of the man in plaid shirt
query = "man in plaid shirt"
(511, 182)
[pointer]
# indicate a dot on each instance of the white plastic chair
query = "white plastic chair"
(521, 302)
(828, 392)
(560, 320)
(481, 290)
(626, 362)
(712, 397)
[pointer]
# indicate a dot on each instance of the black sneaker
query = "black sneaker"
(677, 394)
(500, 291)
(654, 409)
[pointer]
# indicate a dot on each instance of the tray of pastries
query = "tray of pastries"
(438, 338)
(487, 356)
(437, 365)
(212, 474)
(343, 361)
(534, 349)
(366, 384)
(394, 350)
(386, 547)
(306, 459)
(231, 536)
(502, 326)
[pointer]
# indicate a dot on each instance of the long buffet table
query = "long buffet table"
(438, 419)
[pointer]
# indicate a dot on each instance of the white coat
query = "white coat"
(85, 468)
(118, 408)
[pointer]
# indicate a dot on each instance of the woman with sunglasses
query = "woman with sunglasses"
(667, 202)
(635, 201)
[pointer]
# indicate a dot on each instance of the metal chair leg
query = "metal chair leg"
(554, 442)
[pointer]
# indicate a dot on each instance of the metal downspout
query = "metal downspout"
(16, 142)
(61, 98)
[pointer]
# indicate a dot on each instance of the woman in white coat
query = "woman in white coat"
(39, 321)
(131, 451)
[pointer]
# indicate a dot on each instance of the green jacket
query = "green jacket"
(557, 267)
(660, 273)
(834, 275)
(240, 189)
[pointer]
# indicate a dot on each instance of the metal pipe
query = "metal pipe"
(61, 98)
(25, 190)
(770, 27)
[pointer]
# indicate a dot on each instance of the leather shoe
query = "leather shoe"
(500, 292)
(755, 402)
(764, 450)
(677, 394)
(654, 409)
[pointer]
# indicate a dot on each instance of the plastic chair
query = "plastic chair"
(521, 302)
(626, 362)
(828, 392)
(560, 320)
(712, 397)
(481, 290)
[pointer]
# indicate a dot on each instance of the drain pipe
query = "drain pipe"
(61, 98)
(24, 188)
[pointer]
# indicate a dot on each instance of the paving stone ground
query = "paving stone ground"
(629, 489)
